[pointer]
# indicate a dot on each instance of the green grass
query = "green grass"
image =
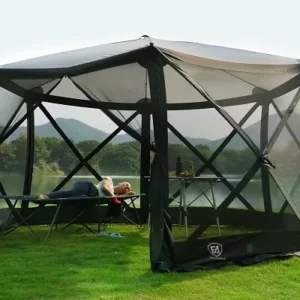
(79, 265)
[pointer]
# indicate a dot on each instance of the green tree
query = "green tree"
(7, 157)
(121, 159)
(41, 152)
(19, 150)
(62, 154)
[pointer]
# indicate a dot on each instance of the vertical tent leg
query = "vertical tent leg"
(30, 153)
(215, 206)
(265, 179)
(161, 247)
(145, 166)
(185, 212)
(180, 203)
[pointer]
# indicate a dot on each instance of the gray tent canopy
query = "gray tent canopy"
(183, 89)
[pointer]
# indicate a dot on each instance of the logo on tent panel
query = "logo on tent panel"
(215, 249)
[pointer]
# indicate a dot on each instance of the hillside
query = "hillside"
(253, 132)
(79, 131)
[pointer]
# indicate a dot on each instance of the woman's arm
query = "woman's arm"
(105, 188)
(131, 193)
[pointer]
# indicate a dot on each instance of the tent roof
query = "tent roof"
(111, 73)
(194, 53)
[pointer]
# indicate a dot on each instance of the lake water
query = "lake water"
(13, 185)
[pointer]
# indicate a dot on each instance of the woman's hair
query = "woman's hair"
(125, 184)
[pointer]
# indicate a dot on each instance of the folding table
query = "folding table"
(81, 202)
(182, 198)
(182, 202)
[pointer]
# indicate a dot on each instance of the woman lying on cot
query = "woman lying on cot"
(86, 188)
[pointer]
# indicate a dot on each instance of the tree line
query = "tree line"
(53, 156)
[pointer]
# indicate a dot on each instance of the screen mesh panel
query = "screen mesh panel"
(66, 88)
(9, 103)
(12, 166)
(285, 156)
(263, 81)
(178, 89)
(29, 84)
(218, 83)
(282, 103)
(135, 124)
(122, 84)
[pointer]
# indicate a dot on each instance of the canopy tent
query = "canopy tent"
(170, 85)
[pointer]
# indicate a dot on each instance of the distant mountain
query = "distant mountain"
(253, 132)
(79, 131)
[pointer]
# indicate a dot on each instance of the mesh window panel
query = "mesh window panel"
(178, 89)
(53, 158)
(189, 124)
(218, 83)
(13, 162)
(274, 120)
(282, 103)
(21, 113)
(66, 88)
(49, 85)
(295, 194)
(119, 159)
(285, 155)
(29, 84)
(294, 123)
(249, 120)
(87, 128)
(236, 219)
(282, 211)
(223, 84)
(135, 124)
(9, 103)
(235, 159)
(122, 84)
(252, 192)
(263, 81)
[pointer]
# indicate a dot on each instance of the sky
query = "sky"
(33, 28)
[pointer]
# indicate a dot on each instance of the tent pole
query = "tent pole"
(29, 153)
(265, 179)
(161, 246)
(145, 166)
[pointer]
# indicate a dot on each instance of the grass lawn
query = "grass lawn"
(79, 265)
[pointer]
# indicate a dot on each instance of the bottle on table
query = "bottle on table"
(178, 165)
(191, 167)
